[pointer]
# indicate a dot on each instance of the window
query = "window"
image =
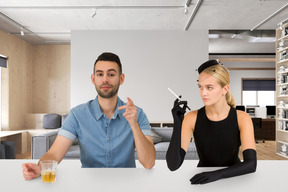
(0, 100)
(3, 63)
(258, 92)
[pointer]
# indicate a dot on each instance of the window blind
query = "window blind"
(3, 62)
(259, 85)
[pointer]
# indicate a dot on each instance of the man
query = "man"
(108, 130)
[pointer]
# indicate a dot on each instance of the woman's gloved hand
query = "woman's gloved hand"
(175, 154)
(206, 177)
(178, 111)
(248, 165)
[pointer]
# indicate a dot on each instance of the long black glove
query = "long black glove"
(247, 166)
(175, 154)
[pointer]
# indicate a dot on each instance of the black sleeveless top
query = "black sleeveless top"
(217, 142)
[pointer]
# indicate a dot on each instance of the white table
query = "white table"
(270, 176)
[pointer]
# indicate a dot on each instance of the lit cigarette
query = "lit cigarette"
(174, 94)
(177, 96)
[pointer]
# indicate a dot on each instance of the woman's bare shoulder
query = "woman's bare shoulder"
(190, 119)
(243, 118)
(191, 114)
(241, 115)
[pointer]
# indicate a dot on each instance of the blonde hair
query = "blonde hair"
(221, 73)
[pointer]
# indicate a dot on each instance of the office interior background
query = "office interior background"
(51, 47)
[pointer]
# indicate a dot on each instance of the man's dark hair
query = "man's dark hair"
(109, 57)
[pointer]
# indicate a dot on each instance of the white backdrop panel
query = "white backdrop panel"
(152, 61)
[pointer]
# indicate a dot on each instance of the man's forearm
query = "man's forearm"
(144, 147)
(48, 156)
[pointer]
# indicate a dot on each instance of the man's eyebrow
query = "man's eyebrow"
(112, 70)
(100, 71)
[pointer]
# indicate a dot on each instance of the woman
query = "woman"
(218, 129)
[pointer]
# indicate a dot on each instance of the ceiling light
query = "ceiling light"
(234, 35)
(214, 36)
(93, 13)
(193, 14)
(265, 20)
(22, 32)
(262, 40)
(186, 10)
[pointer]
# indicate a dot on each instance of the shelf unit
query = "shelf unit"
(281, 95)
(283, 49)
(161, 124)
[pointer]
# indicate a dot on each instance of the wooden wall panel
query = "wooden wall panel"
(17, 81)
(51, 79)
(37, 80)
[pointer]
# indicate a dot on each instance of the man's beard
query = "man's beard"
(107, 94)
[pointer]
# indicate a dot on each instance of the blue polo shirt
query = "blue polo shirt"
(103, 142)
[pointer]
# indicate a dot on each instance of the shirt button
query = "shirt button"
(108, 154)
(106, 125)
(108, 139)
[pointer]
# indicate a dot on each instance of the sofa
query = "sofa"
(161, 137)
(7, 150)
